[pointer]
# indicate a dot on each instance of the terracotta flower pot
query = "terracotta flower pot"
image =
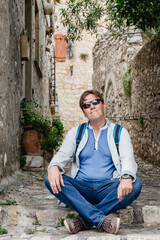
(29, 142)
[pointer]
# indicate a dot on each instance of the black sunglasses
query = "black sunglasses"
(94, 102)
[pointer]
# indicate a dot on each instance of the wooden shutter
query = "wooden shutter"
(60, 48)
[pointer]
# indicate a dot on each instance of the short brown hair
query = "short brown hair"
(88, 92)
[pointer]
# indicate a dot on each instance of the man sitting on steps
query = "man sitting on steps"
(101, 180)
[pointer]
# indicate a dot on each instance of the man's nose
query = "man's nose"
(92, 106)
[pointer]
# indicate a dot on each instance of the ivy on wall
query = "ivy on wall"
(127, 82)
(140, 121)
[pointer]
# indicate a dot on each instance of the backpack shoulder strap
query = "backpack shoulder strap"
(80, 132)
(116, 134)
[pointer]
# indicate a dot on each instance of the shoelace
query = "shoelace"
(78, 223)
(107, 224)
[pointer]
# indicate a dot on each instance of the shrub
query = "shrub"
(50, 134)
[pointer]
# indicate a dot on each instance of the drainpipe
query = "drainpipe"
(48, 7)
(49, 10)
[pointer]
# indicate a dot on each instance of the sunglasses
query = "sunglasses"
(94, 102)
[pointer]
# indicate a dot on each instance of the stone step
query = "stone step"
(15, 215)
(84, 235)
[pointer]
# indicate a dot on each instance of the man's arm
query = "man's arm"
(129, 166)
(124, 188)
(55, 179)
(60, 159)
(66, 151)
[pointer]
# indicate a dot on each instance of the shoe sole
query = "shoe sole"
(66, 225)
(118, 225)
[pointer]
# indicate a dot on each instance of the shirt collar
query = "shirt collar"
(104, 127)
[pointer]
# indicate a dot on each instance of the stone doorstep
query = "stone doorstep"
(123, 237)
(18, 215)
(151, 214)
(75, 237)
(15, 216)
(146, 214)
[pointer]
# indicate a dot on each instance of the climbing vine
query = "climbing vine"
(83, 56)
(140, 121)
(127, 82)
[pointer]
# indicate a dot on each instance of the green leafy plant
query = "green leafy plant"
(36, 223)
(57, 1)
(61, 220)
(35, 231)
(140, 121)
(127, 82)
(50, 134)
(9, 202)
(23, 161)
(3, 230)
(71, 215)
(84, 56)
(114, 15)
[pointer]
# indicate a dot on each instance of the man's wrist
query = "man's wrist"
(126, 176)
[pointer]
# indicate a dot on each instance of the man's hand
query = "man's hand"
(55, 179)
(124, 188)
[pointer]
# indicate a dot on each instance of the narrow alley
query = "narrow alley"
(35, 214)
(43, 73)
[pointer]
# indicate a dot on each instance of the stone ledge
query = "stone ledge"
(151, 214)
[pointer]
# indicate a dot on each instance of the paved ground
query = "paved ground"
(35, 214)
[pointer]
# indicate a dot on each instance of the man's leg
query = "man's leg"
(108, 201)
(79, 198)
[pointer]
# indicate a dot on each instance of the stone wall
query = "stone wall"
(11, 25)
(19, 78)
(145, 100)
(73, 76)
(112, 59)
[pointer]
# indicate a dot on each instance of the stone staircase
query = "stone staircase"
(37, 214)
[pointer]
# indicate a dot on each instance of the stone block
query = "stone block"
(34, 161)
(105, 237)
(151, 214)
(73, 237)
(41, 238)
(143, 237)
(126, 215)
(13, 217)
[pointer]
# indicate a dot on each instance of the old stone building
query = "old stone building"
(74, 69)
(26, 60)
(127, 73)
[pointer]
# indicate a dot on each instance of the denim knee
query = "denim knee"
(46, 181)
(137, 186)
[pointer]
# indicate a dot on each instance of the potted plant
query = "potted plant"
(48, 135)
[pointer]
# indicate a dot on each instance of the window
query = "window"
(60, 48)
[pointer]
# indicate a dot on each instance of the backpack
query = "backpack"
(81, 129)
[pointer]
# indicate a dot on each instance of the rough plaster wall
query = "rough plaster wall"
(41, 85)
(11, 24)
(70, 87)
(12, 72)
(146, 101)
(112, 58)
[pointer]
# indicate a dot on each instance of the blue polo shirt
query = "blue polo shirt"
(95, 158)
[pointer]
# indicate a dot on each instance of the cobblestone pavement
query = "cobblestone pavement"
(35, 214)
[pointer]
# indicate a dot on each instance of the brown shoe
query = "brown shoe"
(111, 225)
(74, 225)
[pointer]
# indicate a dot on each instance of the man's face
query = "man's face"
(94, 112)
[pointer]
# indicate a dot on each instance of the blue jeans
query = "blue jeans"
(93, 201)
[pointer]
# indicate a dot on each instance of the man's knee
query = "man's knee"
(137, 186)
(46, 181)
